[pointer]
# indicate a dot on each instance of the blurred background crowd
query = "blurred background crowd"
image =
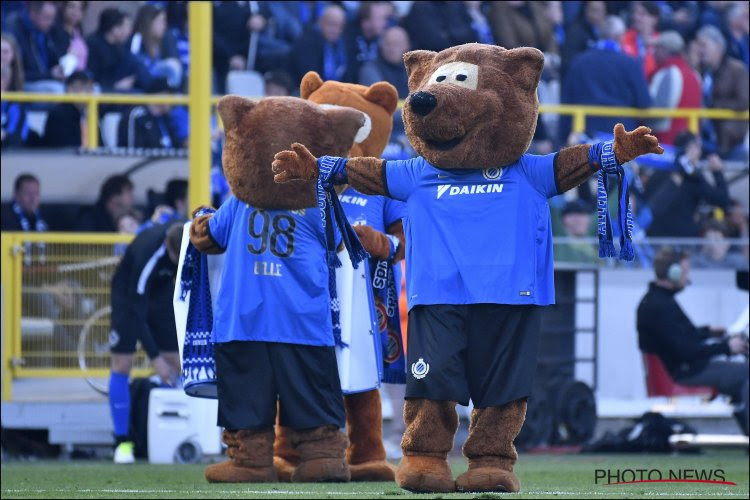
(664, 54)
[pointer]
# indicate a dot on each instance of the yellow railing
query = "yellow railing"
(55, 286)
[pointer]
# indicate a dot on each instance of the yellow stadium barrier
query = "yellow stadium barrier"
(56, 304)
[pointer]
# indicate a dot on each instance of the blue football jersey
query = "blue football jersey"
(477, 236)
(274, 285)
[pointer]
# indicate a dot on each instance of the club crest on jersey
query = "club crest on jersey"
(492, 173)
(420, 368)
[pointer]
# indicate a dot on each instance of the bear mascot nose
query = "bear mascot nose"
(422, 103)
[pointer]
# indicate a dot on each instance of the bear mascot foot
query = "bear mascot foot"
(490, 449)
(250, 458)
(285, 457)
(430, 429)
(366, 453)
(423, 474)
(322, 452)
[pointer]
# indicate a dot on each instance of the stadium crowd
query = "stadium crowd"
(670, 54)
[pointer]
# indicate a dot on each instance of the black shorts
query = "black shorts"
(486, 352)
(252, 376)
(159, 318)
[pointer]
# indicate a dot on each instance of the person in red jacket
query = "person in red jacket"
(638, 40)
(674, 85)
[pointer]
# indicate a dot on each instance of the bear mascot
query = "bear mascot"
(479, 248)
(364, 422)
(273, 325)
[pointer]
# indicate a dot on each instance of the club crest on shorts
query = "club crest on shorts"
(420, 368)
(492, 173)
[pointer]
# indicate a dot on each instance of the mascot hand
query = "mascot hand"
(375, 242)
(298, 164)
(631, 145)
(202, 207)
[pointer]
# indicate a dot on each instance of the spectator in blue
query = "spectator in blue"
(363, 34)
(233, 24)
(738, 25)
(283, 26)
(177, 20)
(322, 48)
(681, 17)
(604, 76)
(583, 33)
(113, 66)
(14, 130)
(155, 48)
(38, 52)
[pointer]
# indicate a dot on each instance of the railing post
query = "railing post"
(694, 123)
(92, 134)
(200, 29)
(579, 121)
(9, 297)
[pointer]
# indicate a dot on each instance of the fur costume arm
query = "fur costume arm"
(572, 166)
(365, 174)
(200, 236)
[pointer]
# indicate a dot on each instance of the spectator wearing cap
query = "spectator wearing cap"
(115, 199)
(638, 40)
(583, 33)
(611, 79)
(65, 123)
(38, 52)
(389, 65)
(67, 35)
(150, 125)
(725, 86)
(738, 26)
(674, 196)
(674, 85)
(576, 222)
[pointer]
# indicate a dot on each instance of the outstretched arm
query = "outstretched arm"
(365, 174)
(572, 165)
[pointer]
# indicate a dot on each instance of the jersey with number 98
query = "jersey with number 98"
(274, 285)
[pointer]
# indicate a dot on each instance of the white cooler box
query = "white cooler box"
(181, 429)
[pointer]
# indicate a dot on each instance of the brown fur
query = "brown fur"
(430, 428)
(322, 454)
(495, 122)
(364, 422)
(490, 448)
(397, 230)
(379, 101)
(285, 457)
(200, 237)
(250, 458)
(256, 130)
(375, 242)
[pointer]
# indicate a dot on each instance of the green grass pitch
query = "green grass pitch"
(543, 476)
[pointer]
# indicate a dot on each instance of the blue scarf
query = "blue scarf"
(602, 157)
(198, 365)
(333, 171)
(39, 226)
(389, 321)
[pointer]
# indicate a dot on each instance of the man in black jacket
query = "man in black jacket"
(142, 289)
(38, 53)
(63, 125)
(687, 351)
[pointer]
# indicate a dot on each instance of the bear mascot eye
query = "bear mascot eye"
(461, 77)
(440, 78)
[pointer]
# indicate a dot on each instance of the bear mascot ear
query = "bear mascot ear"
(417, 64)
(310, 83)
(345, 121)
(232, 108)
(383, 94)
(524, 65)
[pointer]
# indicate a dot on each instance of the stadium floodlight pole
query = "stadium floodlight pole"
(201, 45)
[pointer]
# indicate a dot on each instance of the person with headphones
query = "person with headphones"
(686, 350)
